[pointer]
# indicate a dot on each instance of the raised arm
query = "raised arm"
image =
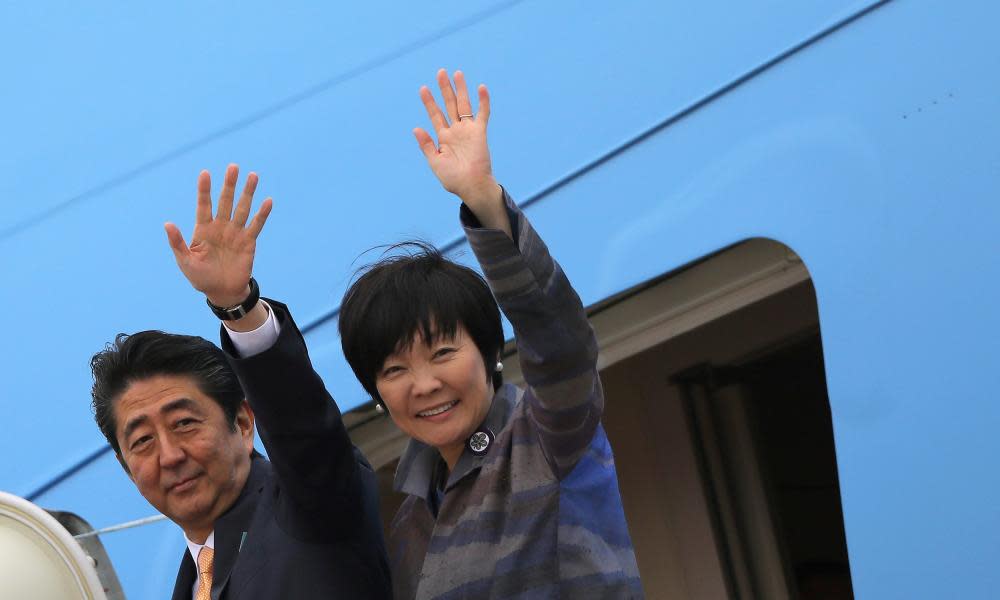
(556, 345)
(298, 422)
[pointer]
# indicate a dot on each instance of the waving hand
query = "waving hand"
(219, 260)
(461, 158)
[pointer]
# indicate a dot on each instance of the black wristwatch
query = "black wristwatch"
(240, 310)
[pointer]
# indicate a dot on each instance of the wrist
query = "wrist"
(229, 300)
(251, 321)
(227, 308)
(485, 194)
(489, 208)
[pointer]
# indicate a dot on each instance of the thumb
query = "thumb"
(426, 143)
(176, 241)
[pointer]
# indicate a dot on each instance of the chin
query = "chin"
(444, 439)
(193, 511)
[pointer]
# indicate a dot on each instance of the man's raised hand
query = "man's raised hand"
(219, 261)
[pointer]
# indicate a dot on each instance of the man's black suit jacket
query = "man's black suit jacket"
(306, 524)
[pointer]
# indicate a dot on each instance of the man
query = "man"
(180, 413)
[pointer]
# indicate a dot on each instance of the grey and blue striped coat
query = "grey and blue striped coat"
(540, 515)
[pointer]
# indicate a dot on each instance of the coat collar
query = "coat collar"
(416, 466)
(231, 530)
(186, 576)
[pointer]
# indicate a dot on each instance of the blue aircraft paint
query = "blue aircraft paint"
(648, 134)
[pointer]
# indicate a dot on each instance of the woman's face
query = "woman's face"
(437, 393)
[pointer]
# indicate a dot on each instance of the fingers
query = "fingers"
(228, 192)
(484, 105)
(448, 95)
(426, 143)
(463, 104)
(246, 199)
(176, 241)
(257, 224)
(437, 118)
(203, 212)
(225, 211)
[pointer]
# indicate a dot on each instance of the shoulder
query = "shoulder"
(508, 406)
(403, 520)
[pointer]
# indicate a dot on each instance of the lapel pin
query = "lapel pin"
(480, 441)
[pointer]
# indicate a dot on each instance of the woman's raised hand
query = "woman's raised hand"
(461, 158)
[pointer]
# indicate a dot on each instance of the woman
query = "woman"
(511, 493)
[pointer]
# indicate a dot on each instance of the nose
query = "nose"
(171, 453)
(425, 382)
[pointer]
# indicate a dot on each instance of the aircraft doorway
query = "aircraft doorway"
(719, 418)
(724, 444)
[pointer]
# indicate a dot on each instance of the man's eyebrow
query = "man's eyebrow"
(179, 404)
(173, 405)
(133, 424)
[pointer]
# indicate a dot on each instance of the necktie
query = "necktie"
(205, 556)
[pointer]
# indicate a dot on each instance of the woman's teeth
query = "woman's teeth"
(438, 410)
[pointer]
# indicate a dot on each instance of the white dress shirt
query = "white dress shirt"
(249, 343)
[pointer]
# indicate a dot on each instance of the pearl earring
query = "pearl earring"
(499, 367)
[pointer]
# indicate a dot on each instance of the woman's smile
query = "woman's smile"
(438, 411)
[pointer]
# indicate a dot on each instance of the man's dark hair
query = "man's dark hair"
(146, 354)
(414, 289)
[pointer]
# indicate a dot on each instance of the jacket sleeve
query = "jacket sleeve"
(555, 343)
(322, 480)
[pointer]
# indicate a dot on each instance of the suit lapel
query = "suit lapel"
(232, 527)
(186, 576)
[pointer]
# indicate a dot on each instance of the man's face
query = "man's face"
(181, 452)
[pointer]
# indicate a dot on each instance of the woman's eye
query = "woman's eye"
(445, 351)
(389, 371)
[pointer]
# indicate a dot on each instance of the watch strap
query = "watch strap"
(240, 310)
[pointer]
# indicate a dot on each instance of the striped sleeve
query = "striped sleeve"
(555, 343)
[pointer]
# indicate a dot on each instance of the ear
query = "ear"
(244, 424)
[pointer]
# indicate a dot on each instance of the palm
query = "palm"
(461, 158)
(220, 255)
(219, 261)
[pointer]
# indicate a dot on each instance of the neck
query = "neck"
(198, 536)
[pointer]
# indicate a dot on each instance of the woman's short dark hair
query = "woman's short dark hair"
(414, 289)
(146, 354)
